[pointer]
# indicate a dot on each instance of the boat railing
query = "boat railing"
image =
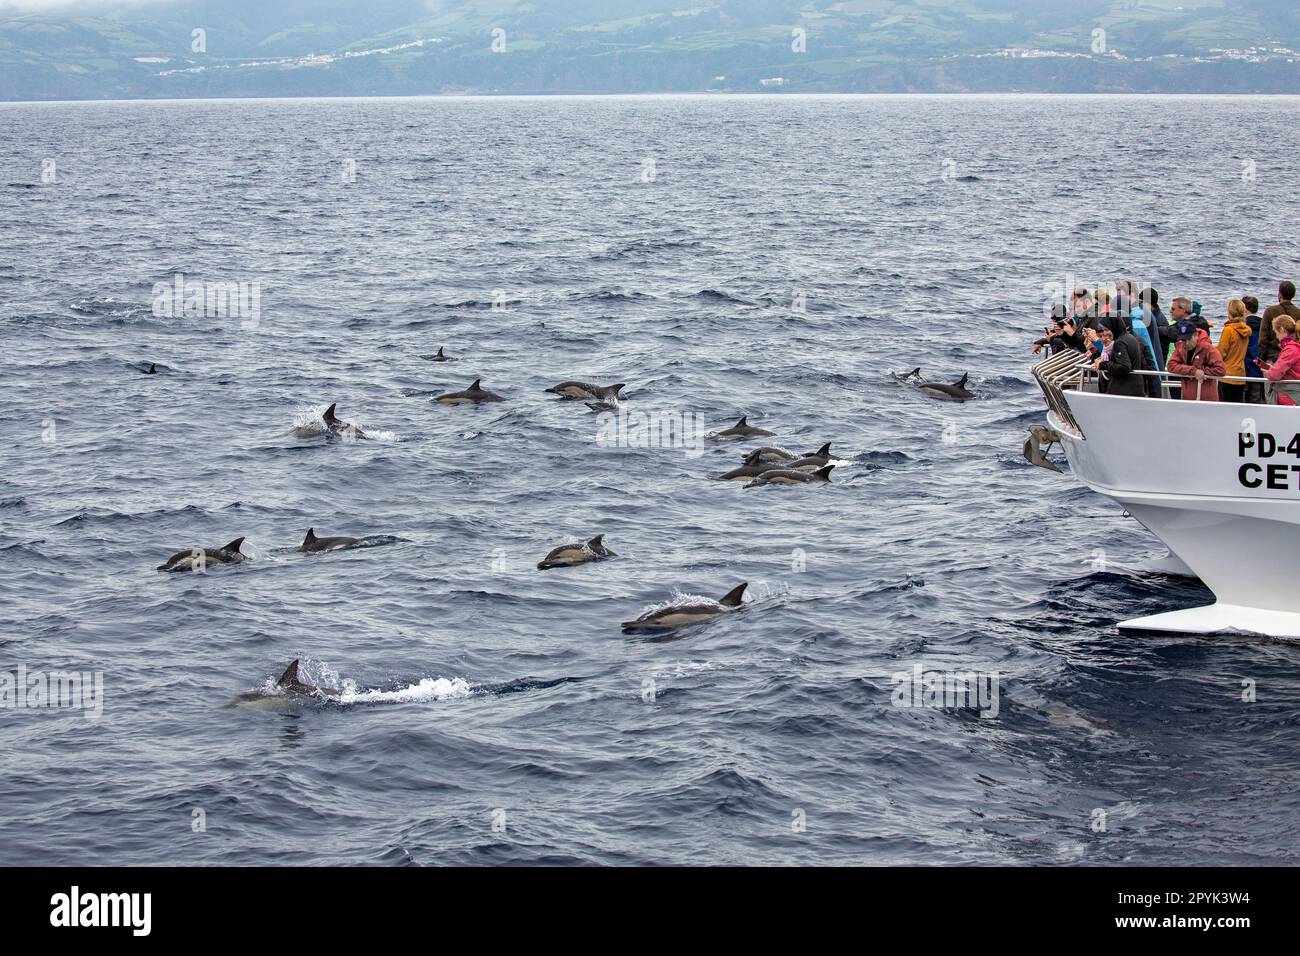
(1064, 370)
(1070, 371)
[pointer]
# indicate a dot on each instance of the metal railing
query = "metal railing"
(1064, 370)
(1067, 370)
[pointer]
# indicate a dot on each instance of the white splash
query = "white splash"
(429, 688)
(679, 598)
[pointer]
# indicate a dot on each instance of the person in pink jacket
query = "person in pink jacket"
(1195, 360)
(1287, 365)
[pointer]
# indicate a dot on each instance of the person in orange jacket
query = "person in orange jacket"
(1195, 360)
(1234, 340)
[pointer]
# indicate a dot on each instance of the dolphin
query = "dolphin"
(915, 373)
(687, 612)
(750, 469)
(338, 426)
(957, 390)
(567, 555)
(780, 455)
(475, 393)
(188, 560)
(311, 543)
(607, 393)
(742, 429)
(290, 684)
(769, 454)
(152, 370)
(440, 357)
(814, 459)
(789, 476)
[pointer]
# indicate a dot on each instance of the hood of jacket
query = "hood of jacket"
(1236, 329)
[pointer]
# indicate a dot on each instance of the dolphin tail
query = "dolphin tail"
(735, 597)
(823, 473)
(824, 451)
(290, 675)
(234, 545)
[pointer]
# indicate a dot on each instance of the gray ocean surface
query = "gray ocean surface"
(770, 256)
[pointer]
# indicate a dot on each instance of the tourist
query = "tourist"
(1196, 361)
(1269, 346)
(1234, 342)
(1254, 390)
(1287, 366)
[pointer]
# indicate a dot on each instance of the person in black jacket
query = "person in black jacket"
(1157, 324)
(1127, 355)
(1065, 333)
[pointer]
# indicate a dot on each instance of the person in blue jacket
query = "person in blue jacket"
(1139, 329)
(1148, 309)
(1254, 394)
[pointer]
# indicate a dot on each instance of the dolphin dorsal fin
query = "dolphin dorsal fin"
(440, 355)
(475, 387)
(329, 413)
(311, 536)
(595, 542)
(234, 545)
(824, 472)
(614, 389)
(961, 382)
(735, 597)
(153, 369)
(744, 420)
(290, 675)
(753, 456)
(916, 371)
(825, 450)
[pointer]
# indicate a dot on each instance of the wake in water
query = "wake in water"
(297, 686)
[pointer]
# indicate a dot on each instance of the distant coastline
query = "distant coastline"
(697, 95)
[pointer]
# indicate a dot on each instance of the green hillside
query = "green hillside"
(331, 47)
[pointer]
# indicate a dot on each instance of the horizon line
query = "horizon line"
(697, 94)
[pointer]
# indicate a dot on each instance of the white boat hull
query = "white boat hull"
(1218, 483)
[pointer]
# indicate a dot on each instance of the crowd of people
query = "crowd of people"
(1124, 333)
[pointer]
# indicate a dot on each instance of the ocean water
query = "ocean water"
(776, 257)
